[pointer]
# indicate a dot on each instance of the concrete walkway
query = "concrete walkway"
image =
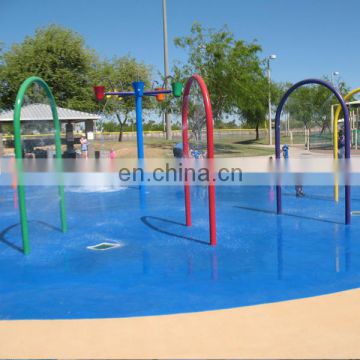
(319, 327)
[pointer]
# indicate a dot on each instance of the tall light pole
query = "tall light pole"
(166, 69)
(269, 58)
(333, 74)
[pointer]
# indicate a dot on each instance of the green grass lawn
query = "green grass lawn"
(163, 148)
(235, 148)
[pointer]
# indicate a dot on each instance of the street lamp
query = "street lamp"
(166, 68)
(333, 74)
(269, 58)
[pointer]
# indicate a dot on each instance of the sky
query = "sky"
(311, 38)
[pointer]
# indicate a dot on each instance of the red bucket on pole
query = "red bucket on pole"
(160, 97)
(99, 92)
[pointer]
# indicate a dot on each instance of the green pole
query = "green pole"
(18, 154)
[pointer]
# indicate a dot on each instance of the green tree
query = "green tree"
(311, 105)
(170, 104)
(254, 103)
(232, 70)
(111, 126)
(118, 75)
(60, 57)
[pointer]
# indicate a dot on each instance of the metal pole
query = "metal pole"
(347, 137)
(308, 139)
(18, 154)
(356, 139)
(288, 122)
(333, 74)
(356, 128)
(166, 68)
(210, 152)
(269, 81)
(287, 129)
(139, 91)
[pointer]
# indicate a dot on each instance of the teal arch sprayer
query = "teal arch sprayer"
(19, 161)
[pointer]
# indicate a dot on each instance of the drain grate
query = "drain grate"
(104, 246)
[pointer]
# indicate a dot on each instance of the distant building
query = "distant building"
(36, 119)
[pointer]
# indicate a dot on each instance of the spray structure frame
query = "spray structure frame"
(138, 94)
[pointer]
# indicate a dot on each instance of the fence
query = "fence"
(315, 139)
(320, 140)
(241, 134)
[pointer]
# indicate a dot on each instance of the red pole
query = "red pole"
(185, 136)
(210, 152)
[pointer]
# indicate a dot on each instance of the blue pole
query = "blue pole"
(139, 92)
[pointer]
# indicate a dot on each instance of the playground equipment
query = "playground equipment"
(160, 92)
(18, 155)
(347, 138)
(335, 136)
(210, 152)
(138, 94)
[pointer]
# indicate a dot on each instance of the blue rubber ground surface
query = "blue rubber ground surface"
(164, 267)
